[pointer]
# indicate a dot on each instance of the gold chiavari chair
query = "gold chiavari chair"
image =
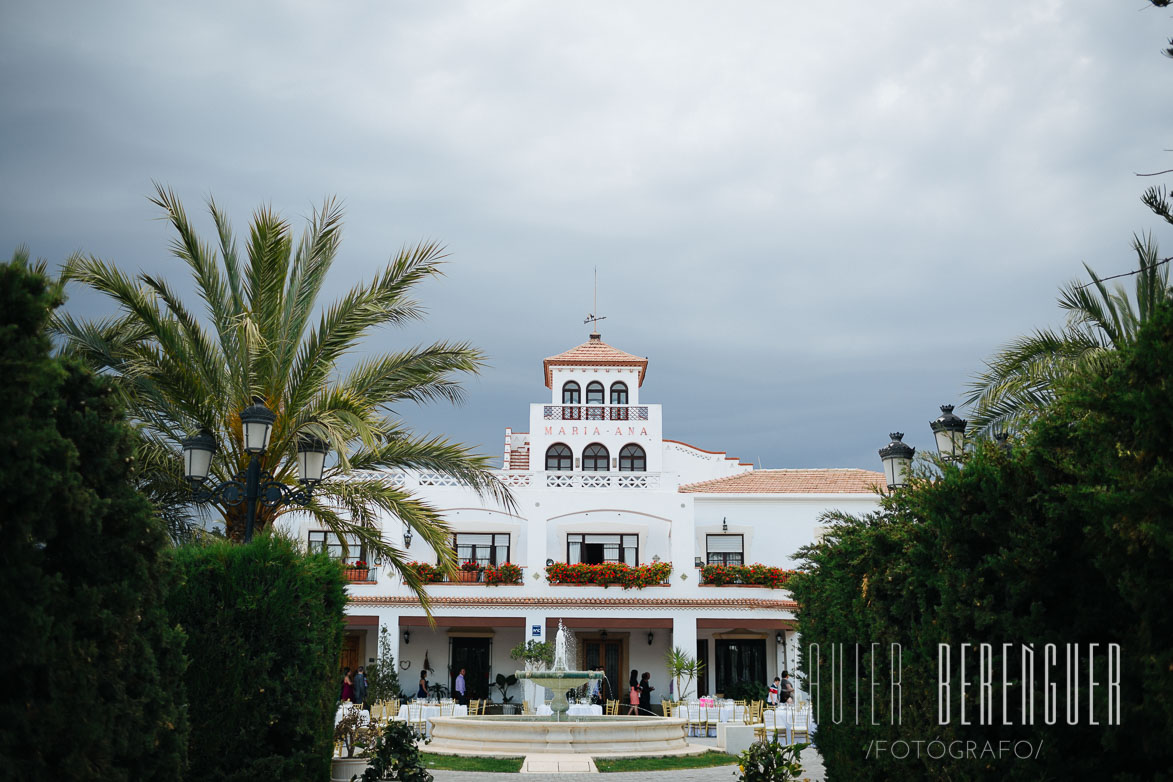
(473, 707)
(612, 708)
(666, 708)
(802, 725)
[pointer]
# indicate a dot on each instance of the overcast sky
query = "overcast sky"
(814, 219)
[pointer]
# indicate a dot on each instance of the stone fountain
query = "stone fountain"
(606, 736)
(560, 679)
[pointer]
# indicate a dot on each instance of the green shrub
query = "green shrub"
(383, 674)
(90, 664)
(1064, 540)
(396, 756)
(264, 624)
(770, 761)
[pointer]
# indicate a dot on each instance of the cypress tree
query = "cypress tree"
(92, 667)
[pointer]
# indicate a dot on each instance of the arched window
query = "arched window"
(632, 459)
(571, 393)
(619, 393)
(594, 393)
(595, 458)
(559, 457)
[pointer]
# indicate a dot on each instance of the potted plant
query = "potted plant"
(503, 683)
(469, 571)
(350, 737)
(357, 570)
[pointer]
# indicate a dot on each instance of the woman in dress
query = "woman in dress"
(423, 690)
(347, 687)
(633, 694)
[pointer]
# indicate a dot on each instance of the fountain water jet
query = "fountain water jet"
(597, 736)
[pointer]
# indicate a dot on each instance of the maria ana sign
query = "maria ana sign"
(596, 431)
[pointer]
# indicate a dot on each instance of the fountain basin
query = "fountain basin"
(595, 736)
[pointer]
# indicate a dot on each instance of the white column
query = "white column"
(532, 692)
(684, 638)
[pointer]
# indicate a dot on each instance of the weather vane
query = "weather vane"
(592, 318)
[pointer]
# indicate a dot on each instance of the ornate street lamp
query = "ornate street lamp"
(254, 484)
(897, 459)
(950, 433)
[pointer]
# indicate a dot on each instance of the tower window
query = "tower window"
(559, 457)
(595, 458)
(594, 393)
(619, 393)
(632, 459)
(571, 393)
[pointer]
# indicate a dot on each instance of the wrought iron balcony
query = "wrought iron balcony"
(595, 412)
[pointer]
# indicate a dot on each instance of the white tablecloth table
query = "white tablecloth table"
(364, 717)
(575, 710)
(726, 712)
(783, 721)
(410, 712)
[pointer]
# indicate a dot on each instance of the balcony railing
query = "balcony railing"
(581, 480)
(595, 412)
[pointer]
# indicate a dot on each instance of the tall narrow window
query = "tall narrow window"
(571, 393)
(619, 393)
(632, 459)
(596, 458)
(559, 457)
(594, 393)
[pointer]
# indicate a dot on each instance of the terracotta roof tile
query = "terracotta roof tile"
(834, 481)
(594, 353)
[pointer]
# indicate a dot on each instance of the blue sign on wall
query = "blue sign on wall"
(536, 631)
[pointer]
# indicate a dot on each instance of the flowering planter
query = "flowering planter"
(357, 573)
(465, 576)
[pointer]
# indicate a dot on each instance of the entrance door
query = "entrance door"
(609, 654)
(740, 660)
(349, 657)
(473, 655)
(702, 656)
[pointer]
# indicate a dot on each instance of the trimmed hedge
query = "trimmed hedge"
(1065, 540)
(90, 663)
(264, 625)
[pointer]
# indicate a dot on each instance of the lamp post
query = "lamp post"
(950, 433)
(897, 459)
(254, 485)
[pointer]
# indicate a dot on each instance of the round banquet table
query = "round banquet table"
(411, 712)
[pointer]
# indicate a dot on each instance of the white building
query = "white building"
(595, 481)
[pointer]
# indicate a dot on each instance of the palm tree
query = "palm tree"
(1020, 380)
(179, 375)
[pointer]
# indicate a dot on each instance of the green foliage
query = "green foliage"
(769, 761)
(1021, 379)
(503, 683)
(383, 675)
(264, 624)
(535, 654)
(756, 574)
(747, 691)
(683, 669)
(1064, 540)
(351, 734)
(396, 756)
(181, 370)
(608, 573)
(90, 663)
